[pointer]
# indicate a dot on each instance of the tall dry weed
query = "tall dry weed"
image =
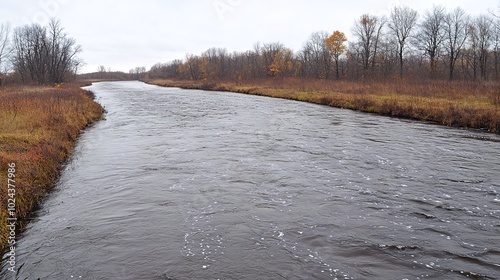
(38, 129)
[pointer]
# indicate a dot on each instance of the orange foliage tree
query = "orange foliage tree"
(282, 63)
(336, 47)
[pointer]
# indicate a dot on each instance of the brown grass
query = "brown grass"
(39, 127)
(459, 104)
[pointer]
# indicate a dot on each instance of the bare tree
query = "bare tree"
(496, 48)
(4, 47)
(102, 71)
(217, 60)
(365, 30)
(403, 20)
(43, 55)
(61, 50)
(191, 68)
(157, 71)
(484, 27)
(319, 54)
(470, 54)
(30, 58)
(369, 31)
(139, 71)
(381, 23)
(480, 39)
(431, 35)
(78, 63)
(388, 55)
(223, 61)
(456, 31)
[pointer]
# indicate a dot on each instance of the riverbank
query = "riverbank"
(457, 104)
(39, 127)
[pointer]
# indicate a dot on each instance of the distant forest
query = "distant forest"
(439, 44)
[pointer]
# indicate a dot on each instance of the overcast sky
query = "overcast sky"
(124, 34)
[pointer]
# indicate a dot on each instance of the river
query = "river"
(186, 184)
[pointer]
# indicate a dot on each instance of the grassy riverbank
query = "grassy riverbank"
(458, 104)
(39, 127)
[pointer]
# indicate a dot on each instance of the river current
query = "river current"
(188, 184)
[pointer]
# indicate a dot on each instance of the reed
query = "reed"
(39, 127)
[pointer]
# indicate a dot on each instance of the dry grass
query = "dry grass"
(459, 104)
(38, 130)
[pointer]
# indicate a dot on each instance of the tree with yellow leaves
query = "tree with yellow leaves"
(336, 47)
(282, 64)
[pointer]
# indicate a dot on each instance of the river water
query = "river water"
(186, 184)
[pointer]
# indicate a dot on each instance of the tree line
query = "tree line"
(35, 54)
(440, 44)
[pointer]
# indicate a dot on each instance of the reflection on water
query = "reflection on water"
(182, 184)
